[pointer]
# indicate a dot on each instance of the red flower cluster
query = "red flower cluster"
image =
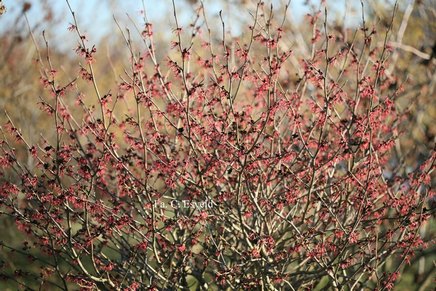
(294, 172)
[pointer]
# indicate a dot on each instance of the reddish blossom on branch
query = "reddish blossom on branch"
(223, 171)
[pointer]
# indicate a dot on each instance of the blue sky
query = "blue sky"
(96, 16)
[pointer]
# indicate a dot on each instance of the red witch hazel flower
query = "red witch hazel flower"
(274, 160)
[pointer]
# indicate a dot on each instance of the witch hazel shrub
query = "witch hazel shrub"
(229, 163)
